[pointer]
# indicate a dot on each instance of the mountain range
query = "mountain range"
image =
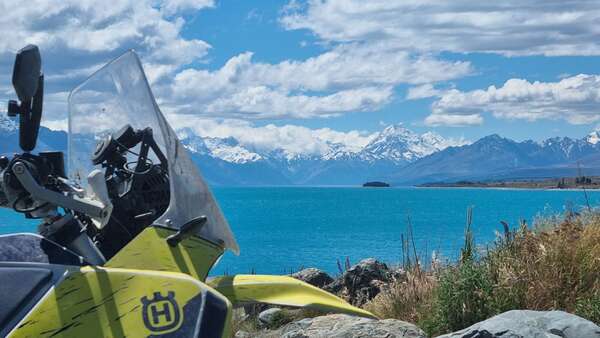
(395, 155)
(226, 161)
(496, 157)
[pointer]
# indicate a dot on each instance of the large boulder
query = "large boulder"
(530, 324)
(345, 326)
(314, 277)
(362, 282)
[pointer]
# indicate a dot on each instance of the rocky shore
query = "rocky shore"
(362, 282)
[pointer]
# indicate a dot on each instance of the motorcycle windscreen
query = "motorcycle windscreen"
(119, 94)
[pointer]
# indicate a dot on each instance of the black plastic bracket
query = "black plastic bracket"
(187, 230)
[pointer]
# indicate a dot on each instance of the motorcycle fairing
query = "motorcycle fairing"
(107, 302)
(281, 290)
(194, 256)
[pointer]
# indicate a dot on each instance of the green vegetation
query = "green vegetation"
(554, 265)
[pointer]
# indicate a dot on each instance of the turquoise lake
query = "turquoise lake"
(285, 228)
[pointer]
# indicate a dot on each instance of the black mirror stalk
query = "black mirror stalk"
(187, 230)
(28, 82)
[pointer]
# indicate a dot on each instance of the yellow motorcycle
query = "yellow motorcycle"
(129, 233)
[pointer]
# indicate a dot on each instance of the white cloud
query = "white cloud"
(574, 99)
(91, 32)
(293, 139)
(93, 26)
(262, 102)
(56, 124)
(422, 92)
(524, 27)
(55, 106)
(77, 37)
(175, 6)
(348, 78)
(453, 120)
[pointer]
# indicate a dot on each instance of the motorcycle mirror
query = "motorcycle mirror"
(26, 72)
(28, 82)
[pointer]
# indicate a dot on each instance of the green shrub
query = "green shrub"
(461, 299)
(589, 308)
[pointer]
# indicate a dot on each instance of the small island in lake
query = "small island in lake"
(376, 184)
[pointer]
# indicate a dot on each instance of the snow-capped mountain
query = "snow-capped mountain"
(401, 156)
(400, 145)
(9, 137)
(338, 163)
(593, 137)
(227, 149)
(496, 157)
(394, 143)
(394, 154)
(7, 124)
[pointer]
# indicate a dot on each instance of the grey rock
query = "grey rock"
(345, 326)
(530, 324)
(362, 282)
(253, 309)
(269, 316)
(242, 334)
(314, 277)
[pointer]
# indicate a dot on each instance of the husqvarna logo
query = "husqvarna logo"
(161, 314)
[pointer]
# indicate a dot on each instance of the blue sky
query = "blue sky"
(333, 70)
(234, 27)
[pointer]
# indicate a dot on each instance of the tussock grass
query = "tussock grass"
(554, 265)
(409, 300)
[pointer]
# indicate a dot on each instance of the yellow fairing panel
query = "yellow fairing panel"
(104, 302)
(281, 290)
(150, 251)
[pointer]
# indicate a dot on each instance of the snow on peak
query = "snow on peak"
(192, 142)
(395, 130)
(399, 144)
(593, 137)
(337, 151)
(7, 124)
(227, 149)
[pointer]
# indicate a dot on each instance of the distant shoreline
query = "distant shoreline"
(562, 183)
(421, 186)
(508, 188)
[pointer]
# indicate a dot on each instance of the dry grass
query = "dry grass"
(555, 265)
(408, 299)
